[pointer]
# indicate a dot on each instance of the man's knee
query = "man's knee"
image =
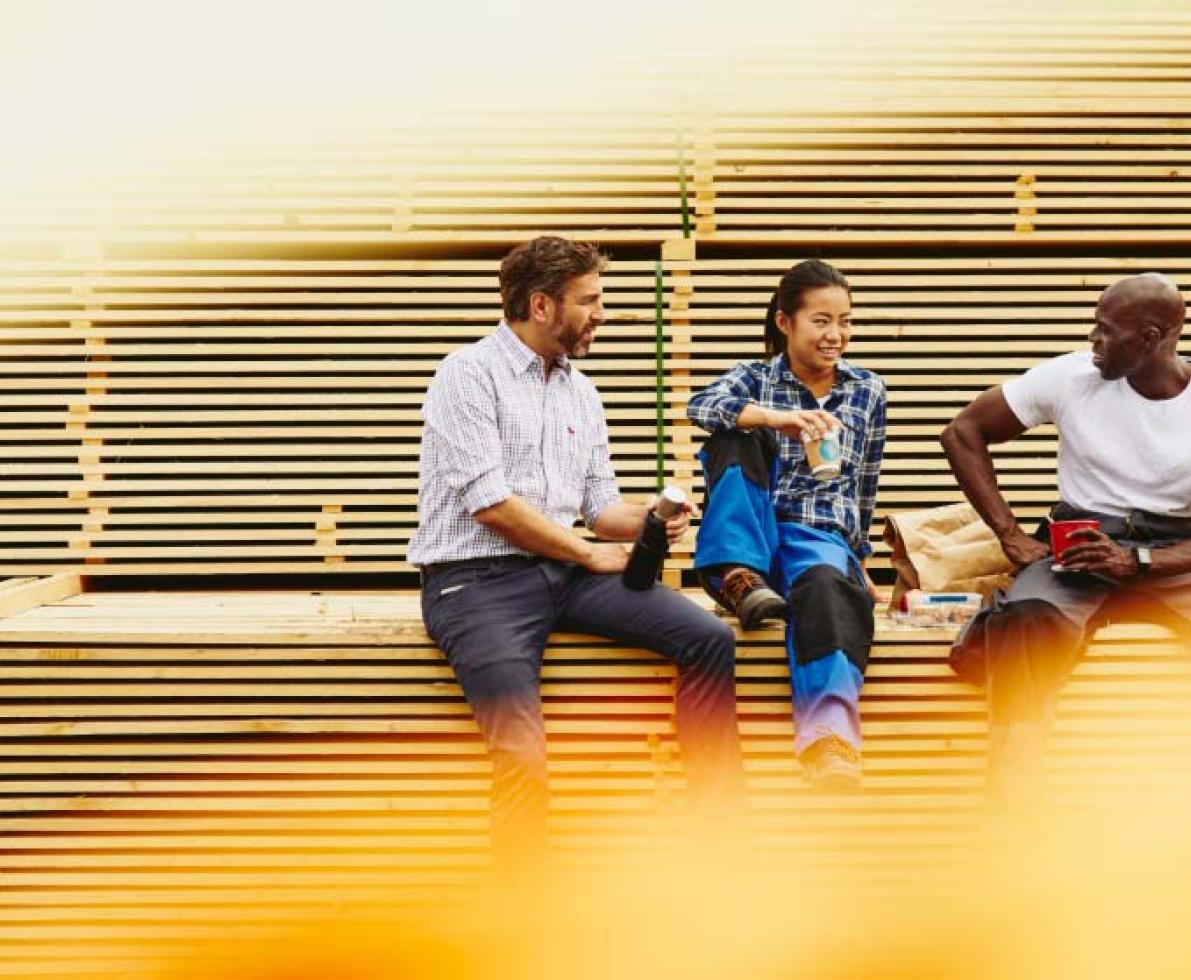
(830, 612)
(1029, 628)
(720, 635)
(714, 649)
(1006, 635)
(723, 644)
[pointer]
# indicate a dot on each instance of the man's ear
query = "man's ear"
(541, 307)
(1151, 336)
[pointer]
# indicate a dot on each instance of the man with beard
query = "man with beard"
(515, 447)
(1123, 411)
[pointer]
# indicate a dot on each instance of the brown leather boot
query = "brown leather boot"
(743, 592)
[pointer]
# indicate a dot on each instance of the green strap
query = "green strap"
(659, 364)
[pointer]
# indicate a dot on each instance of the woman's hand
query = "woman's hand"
(870, 584)
(795, 422)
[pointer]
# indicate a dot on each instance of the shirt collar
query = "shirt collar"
(844, 372)
(519, 354)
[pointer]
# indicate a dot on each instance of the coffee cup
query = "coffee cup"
(1060, 535)
(823, 455)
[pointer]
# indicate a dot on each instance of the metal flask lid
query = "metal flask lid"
(669, 502)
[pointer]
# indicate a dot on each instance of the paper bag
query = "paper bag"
(945, 549)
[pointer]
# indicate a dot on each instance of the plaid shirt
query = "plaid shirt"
(496, 425)
(857, 399)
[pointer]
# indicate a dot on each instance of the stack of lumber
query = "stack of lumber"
(176, 762)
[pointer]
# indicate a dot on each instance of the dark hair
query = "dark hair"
(799, 279)
(543, 265)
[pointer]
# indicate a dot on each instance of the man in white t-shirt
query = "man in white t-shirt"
(1123, 414)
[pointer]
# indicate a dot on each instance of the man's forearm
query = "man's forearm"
(620, 521)
(523, 525)
(1175, 560)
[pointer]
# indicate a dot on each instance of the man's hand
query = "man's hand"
(606, 557)
(1097, 552)
(1021, 549)
(794, 422)
(677, 526)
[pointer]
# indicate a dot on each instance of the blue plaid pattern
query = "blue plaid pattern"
(857, 399)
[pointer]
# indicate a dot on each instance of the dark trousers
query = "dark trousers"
(492, 619)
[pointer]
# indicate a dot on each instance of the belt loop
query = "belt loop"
(1145, 530)
(1136, 526)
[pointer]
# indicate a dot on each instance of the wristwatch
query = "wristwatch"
(1145, 561)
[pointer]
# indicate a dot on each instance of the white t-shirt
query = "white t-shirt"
(1118, 451)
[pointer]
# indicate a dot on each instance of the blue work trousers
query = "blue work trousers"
(740, 527)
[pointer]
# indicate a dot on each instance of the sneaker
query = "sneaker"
(742, 591)
(832, 765)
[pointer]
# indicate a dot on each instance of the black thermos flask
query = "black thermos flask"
(651, 548)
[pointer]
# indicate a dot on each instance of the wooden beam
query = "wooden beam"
(31, 593)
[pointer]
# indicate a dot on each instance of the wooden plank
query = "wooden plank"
(26, 595)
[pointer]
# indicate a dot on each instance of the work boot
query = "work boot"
(743, 592)
(832, 765)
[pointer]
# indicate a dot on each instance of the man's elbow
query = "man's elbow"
(948, 437)
(956, 433)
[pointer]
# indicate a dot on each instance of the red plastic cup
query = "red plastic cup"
(1060, 534)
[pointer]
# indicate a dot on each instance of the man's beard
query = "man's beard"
(571, 341)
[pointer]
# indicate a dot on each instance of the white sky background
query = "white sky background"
(87, 85)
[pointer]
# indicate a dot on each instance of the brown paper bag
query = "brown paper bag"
(945, 549)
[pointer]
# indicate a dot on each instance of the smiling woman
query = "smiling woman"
(782, 539)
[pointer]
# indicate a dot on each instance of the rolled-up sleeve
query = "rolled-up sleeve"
(717, 407)
(599, 483)
(460, 412)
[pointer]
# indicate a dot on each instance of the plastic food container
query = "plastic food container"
(940, 608)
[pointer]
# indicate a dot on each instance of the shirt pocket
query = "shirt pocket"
(576, 448)
(792, 455)
(796, 485)
(853, 438)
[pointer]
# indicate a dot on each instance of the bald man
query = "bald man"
(1123, 412)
